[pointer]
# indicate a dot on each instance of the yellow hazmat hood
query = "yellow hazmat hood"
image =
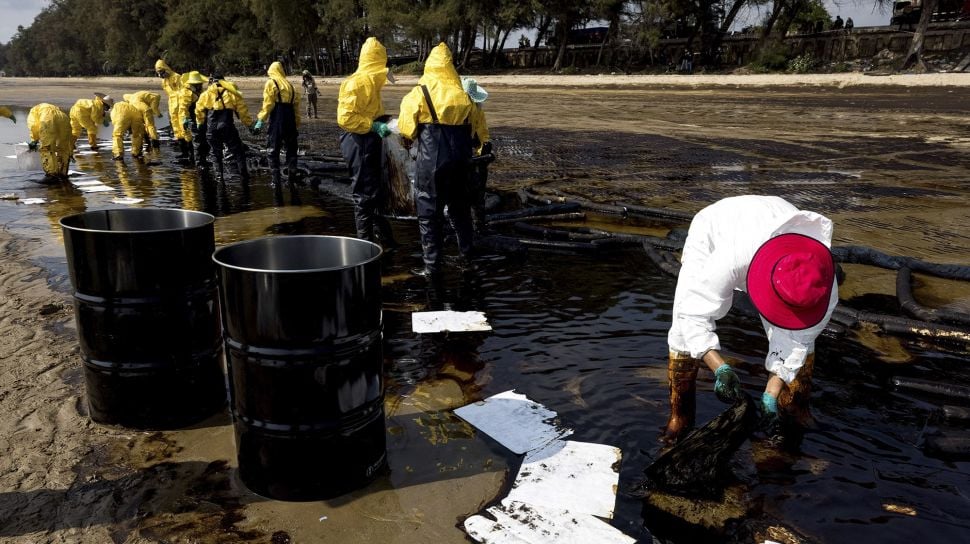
(161, 66)
(440, 67)
(373, 58)
(276, 72)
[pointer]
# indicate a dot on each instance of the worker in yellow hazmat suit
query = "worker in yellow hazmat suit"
(217, 107)
(172, 84)
(5, 112)
(360, 113)
(198, 148)
(89, 114)
(440, 115)
(148, 104)
(281, 105)
(50, 132)
(126, 117)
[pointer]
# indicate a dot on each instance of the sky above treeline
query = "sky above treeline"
(14, 13)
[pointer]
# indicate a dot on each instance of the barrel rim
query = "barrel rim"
(210, 221)
(215, 259)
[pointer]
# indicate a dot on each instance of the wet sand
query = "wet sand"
(887, 161)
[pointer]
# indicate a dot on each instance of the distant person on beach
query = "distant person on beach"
(281, 109)
(360, 113)
(849, 25)
(780, 257)
(443, 120)
(50, 133)
(89, 114)
(482, 149)
(837, 23)
(310, 93)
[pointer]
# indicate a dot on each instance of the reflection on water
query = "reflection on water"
(584, 335)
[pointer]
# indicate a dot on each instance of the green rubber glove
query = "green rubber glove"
(106, 121)
(727, 386)
(257, 126)
(33, 145)
(186, 123)
(380, 128)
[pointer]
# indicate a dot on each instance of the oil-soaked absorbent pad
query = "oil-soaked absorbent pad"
(576, 476)
(517, 522)
(428, 322)
(514, 421)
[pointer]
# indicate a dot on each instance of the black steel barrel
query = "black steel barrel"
(302, 326)
(145, 300)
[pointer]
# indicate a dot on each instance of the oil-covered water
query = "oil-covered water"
(586, 336)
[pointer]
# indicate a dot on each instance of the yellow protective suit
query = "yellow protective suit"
(125, 117)
(278, 89)
(187, 100)
(5, 112)
(359, 101)
(148, 104)
(172, 84)
(450, 100)
(50, 126)
(87, 114)
(222, 96)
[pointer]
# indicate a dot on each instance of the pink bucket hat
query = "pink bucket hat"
(790, 281)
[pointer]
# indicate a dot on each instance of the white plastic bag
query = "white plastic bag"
(27, 160)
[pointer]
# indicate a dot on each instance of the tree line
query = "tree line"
(125, 37)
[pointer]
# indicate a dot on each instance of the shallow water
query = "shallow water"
(586, 334)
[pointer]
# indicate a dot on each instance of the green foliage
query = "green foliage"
(772, 59)
(415, 68)
(802, 64)
(809, 15)
(92, 37)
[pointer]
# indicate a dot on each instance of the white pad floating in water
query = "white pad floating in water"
(86, 182)
(85, 152)
(576, 476)
(560, 486)
(96, 188)
(76, 173)
(449, 321)
(10, 156)
(514, 421)
(127, 200)
(33, 200)
(517, 522)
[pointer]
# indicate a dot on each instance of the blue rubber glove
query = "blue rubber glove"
(727, 386)
(769, 414)
(380, 128)
(33, 145)
(257, 126)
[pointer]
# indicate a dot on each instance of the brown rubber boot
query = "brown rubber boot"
(681, 373)
(794, 399)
